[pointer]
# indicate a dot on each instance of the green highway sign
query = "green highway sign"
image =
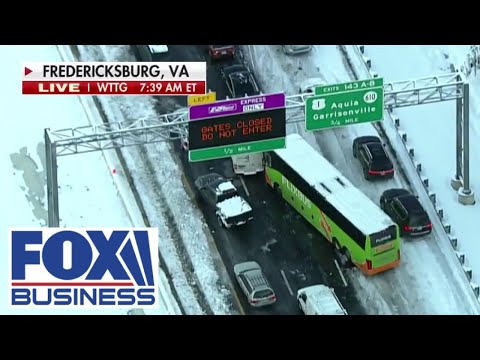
(348, 107)
(219, 152)
(350, 86)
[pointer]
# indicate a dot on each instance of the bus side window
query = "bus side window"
(267, 160)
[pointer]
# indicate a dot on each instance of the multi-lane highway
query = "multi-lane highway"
(292, 254)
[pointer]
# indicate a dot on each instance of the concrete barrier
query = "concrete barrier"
(440, 213)
(396, 121)
(453, 241)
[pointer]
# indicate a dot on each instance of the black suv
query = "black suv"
(405, 210)
(240, 81)
(375, 161)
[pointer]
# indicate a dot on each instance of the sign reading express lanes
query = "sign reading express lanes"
(238, 126)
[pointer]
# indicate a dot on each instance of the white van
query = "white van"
(319, 300)
(248, 164)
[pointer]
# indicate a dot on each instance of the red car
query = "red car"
(221, 51)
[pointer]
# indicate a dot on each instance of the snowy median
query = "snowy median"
(168, 304)
(184, 245)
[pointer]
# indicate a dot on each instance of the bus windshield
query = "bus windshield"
(384, 236)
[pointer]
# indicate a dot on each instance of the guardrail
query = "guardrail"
(420, 172)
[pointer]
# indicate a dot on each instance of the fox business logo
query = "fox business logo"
(87, 268)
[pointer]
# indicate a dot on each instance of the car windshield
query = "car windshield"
(244, 89)
(380, 158)
(243, 85)
(209, 179)
(234, 69)
(381, 164)
(226, 195)
(262, 294)
(419, 219)
(241, 217)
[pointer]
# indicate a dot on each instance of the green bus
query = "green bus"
(345, 216)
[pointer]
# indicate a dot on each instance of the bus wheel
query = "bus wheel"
(348, 257)
(277, 189)
(336, 244)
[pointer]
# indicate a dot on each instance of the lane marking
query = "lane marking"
(286, 282)
(341, 273)
(244, 186)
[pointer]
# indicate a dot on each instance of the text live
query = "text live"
(113, 87)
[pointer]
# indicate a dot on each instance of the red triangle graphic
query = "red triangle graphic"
(27, 71)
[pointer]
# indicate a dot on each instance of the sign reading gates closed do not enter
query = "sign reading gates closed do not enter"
(238, 126)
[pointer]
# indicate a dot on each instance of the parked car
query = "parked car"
(319, 300)
(254, 284)
(152, 52)
(219, 193)
(240, 81)
(217, 52)
(405, 210)
(309, 85)
(296, 49)
(373, 157)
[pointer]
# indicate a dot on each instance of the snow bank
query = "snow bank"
(169, 306)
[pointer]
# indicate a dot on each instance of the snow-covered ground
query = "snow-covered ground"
(431, 132)
(87, 195)
(184, 244)
(426, 282)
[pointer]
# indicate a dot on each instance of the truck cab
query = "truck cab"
(219, 193)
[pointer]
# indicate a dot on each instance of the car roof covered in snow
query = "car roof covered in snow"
(158, 49)
(226, 186)
(323, 300)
